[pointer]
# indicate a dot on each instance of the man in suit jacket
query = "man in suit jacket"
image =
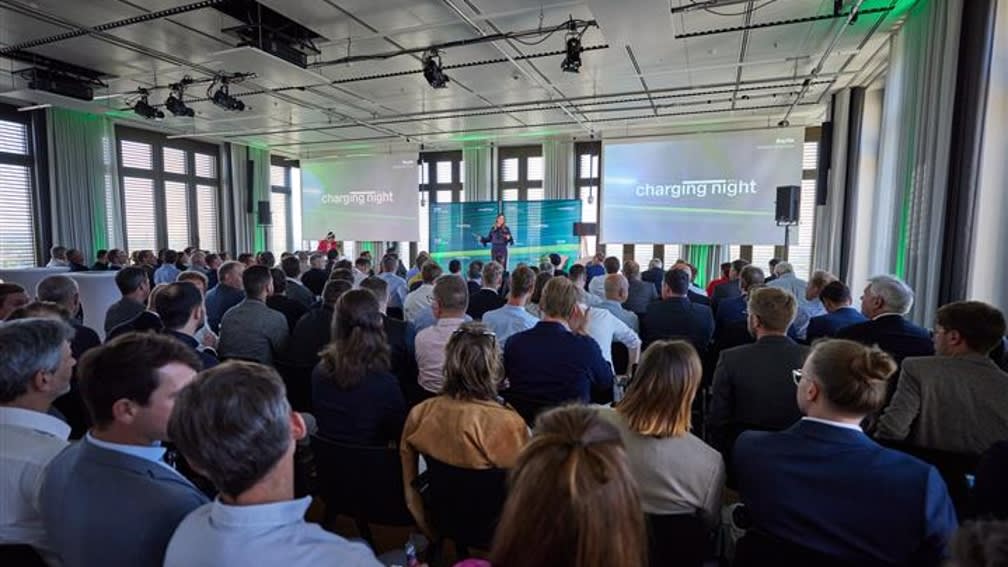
(676, 316)
(111, 499)
(655, 274)
(753, 385)
(639, 293)
(313, 331)
(134, 287)
(315, 277)
(296, 289)
(886, 299)
(731, 288)
(836, 298)
(251, 330)
(955, 401)
(734, 310)
(488, 297)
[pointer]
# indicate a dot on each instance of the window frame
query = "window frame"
(34, 159)
(523, 184)
(287, 190)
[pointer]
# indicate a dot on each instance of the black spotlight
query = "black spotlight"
(432, 70)
(223, 99)
(572, 62)
(143, 108)
(174, 102)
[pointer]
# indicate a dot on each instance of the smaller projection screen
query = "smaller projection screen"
(538, 228)
(700, 188)
(365, 198)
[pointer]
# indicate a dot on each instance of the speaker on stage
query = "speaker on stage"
(265, 218)
(788, 204)
(585, 229)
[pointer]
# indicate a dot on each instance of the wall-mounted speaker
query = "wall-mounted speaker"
(788, 204)
(249, 189)
(264, 218)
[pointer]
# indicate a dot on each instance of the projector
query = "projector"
(42, 80)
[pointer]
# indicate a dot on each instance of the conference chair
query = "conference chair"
(20, 554)
(395, 313)
(364, 483)
(297, 380)
(620, 359)
(759, 549)
(957, 470)
(678, 539)
(527, 407)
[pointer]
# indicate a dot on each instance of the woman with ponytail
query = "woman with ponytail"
(826, 486)
(355, 398)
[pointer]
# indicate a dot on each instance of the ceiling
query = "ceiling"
(637, 75)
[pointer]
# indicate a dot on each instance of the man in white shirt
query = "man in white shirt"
(35, 369)
(451, 297)
(397, 286)
(606, 329)
(421, 297)
(596, 286)
(361, 270)
(240, 408)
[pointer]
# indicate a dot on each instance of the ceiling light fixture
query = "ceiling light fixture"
(175, 103)
(572, 61)
(432, 70)
(222, 97)
(143, 108)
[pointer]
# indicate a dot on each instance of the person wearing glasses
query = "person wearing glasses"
(467, 425)
(823, 484)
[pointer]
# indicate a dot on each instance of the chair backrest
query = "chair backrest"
(395, 313)
(527, 407)
(678, 539)
(758, 549)
(465, 504)
(620, 358)
(956, 470)
(20, 554)
(362, 482)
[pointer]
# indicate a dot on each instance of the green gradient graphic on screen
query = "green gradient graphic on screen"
(539, 228)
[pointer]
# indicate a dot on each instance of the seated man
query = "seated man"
(35, 367)
(251, 330)
(596, 286)
(396, 285)
(168, 271)
(401, 337)
(180, 306)
(487, 298)
(639, 292)
(315, 277)
(421, 297)
(57, 257)
(280, 302)
(957, 400)
(295, 289)
(111, 499)
(675, 316)
(734, 310)
(836, 298)
(12, 297)
(579, 275)
(314, 330)
(555, 362)
(134, 287)
(654, 274)
(810, 305)
(226, 294)
(451, 296)
(240, 408)
(753, 386)
(885, 301)
(513, 317)
(617, 289)
(731, 288)
(76, 259)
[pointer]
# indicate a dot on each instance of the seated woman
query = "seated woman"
(676, 472)
(467, 425)
(356, 399)
(826, 486)
(573, 501)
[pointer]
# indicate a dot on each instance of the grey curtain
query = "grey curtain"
(241, 232)
(478, 165)
(84, 181)
(558, 165)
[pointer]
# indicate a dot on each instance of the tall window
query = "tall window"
(17, 228)
(285, 183)
(170, 191)
(587, 182)
(520, 173)
(440, 176)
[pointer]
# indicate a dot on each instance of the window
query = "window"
(521, 173)
(673, 252)
(441, 177)
(17, 227)
(614, 250)
(587, 182)
(170, 191)
(279, 236)
(278, 228)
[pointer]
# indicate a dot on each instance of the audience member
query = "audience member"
(597, 285)
(545, 267)
(555, 362)
(251, 330)
(825, 485)
(57, 257)
(573, 468)
(980, 544)
(64, 291)
(885, 301)
(35, 369)
(836, 298)
(134, 286)
(396, 285)
(558, 264)
(466, 426)
(791, 283)
(533, 305)
(234, 425)
(594, 268)
(315, 277)
(676, 472)
(617, 290)
(513, 317)
(328, 243)
(990, 494)
(455, 267)
(281, 303)
(12, 297)
(356, 400)
(731, 320)
(295, 290)
(731, 288)
(696, 293)
(722, 278)
(180, 307)
(606, 328)
(655, 274)
(488, 297)
(266, 258)
(474, 277)
(313, 331)
(111, 499)
(147, 262)
(449, 306)
(401, 339)
(168, 271)
(75, 258)
(198, 263)
(957, 400)
(578, 274)
(117, 259)
(675, 316)
(203, 334)
(226, 294)
(753, 387)
(247, 259)
(772, 264)
(361, 270)
(639, 292)
(101, 262)
(422, 258)
(422, 297)
(810, 305)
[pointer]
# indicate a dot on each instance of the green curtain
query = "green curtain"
(700, 255)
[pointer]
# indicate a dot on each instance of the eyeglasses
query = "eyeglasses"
(474, 332)
(796, 375)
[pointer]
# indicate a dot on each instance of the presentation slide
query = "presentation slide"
(699, 188)
(365, 198)
(538, 228)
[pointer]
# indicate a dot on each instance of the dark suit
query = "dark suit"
(678, 317)
(291, 310)
(725, 291)
(105, 507)
(482, 301)
(838, 492)
(70, 404)
(654, 276)
(208, 360)
(829, 324)
(893, 334)
(731, 311)
(315, 279)
(370, 413)
(401, 337)
(991, 492)
(121, 311)
(640, 294)
(753, 386)
(698, 298)
(474, 287)
(311, 334)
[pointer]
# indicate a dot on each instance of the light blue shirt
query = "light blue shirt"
(274, 534)
(426, 319)
(397, 289)
(154, 453)
(509, 320)
(166, 274)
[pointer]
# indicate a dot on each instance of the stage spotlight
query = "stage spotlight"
(572, 61)
(174, 102)
(432, 70)
(223, 99)
(143, 108)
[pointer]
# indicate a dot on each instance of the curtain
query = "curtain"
(478, 165)
(242, 232)
(558, 163)
(84, 181)
(707, 258)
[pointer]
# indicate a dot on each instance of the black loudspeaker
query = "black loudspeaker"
(787, 204)
(585, 229)
(249, 192)
(265, 218)
(824, 161)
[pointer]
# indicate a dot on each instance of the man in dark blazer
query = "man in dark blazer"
(654, 274)
(313, 331)
(731, 288)
(958, 400)
(401, 337)
(475, 277)
(488, 297)
(640, 292)
(885, 301)
(836, 298)
(734, 310)
(111, 499)
(753, 385)
(675, 316)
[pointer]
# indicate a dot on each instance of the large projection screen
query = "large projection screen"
(700, 188)
(365, 198)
